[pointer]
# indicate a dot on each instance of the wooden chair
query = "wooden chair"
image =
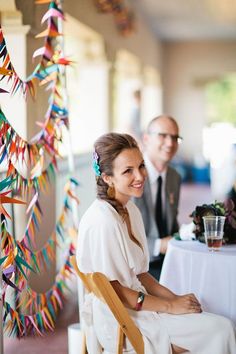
(98, 284)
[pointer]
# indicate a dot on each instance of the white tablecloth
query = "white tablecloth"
(211, 276)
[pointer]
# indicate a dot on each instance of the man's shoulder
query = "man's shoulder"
(141, 202)
(138, 201)
(171, 171)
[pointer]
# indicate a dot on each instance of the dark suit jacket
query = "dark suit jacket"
(147, 208)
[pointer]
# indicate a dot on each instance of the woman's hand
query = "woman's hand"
(184, 304)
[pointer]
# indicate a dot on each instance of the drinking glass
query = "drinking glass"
(214, 231)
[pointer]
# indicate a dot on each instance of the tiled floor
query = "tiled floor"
(57, 342)
(52, 343)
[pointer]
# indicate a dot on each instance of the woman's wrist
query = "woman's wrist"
(164, 305)
(140, 300)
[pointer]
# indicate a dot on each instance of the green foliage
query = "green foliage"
(221, 100)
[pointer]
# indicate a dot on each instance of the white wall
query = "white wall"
(142, 42)
(187, 67)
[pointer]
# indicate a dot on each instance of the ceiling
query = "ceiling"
(175, 20)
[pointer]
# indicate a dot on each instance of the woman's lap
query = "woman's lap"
(200, 331)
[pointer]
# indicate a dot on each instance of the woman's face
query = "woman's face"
(129, 174)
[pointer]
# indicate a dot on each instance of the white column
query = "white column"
(14, 107)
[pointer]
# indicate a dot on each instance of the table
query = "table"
(190, 268)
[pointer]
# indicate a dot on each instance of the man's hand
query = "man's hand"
(164, 244)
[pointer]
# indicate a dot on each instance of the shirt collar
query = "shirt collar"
(153, 174)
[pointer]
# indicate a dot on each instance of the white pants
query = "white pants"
(203, 333)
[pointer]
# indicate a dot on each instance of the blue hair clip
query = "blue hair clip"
(96, 166)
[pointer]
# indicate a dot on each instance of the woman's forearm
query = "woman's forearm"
(154, 288)
(129, 299)
(167, 302)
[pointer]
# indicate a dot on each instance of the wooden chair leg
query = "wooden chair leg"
(84, 346)
(120, 342)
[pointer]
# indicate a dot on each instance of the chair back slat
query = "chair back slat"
(119, 311)
(98, 284)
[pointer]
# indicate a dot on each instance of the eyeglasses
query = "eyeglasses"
(163, 136)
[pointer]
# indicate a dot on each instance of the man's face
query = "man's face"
(162, 141)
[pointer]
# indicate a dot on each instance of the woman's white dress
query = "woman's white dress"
(105, 246)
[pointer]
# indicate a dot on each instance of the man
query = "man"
(159, 203)
(135, 119)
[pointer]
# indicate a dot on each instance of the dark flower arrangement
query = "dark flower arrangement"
(226, 209)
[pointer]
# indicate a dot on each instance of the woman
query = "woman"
(112, 241)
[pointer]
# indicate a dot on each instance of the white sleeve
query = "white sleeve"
(101, 248)
(157, 247)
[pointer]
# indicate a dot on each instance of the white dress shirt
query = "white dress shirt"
(153, 175)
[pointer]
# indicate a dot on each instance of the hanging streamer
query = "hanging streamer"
(124, 18)
(45, 307)
(21, 251)
(27, 185)
(19, 255)
(46, 53)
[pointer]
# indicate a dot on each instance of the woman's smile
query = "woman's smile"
(129, 174)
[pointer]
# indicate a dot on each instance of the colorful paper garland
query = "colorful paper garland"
(12, 147)
(46, 52)
(46, 307)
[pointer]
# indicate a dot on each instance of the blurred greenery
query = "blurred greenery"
(221, 100)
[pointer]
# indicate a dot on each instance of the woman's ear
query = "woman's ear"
(106, 178)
